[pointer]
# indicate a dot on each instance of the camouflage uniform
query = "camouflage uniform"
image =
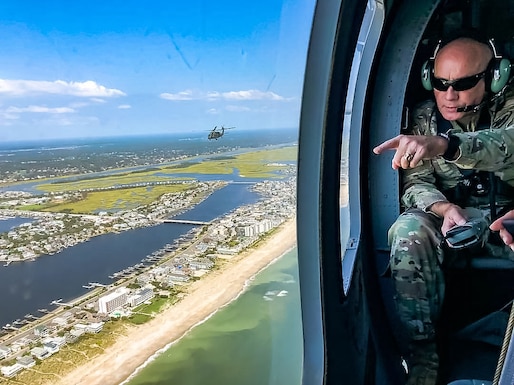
(415, 238)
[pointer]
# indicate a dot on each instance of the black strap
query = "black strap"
(492, 194)
(443, 125)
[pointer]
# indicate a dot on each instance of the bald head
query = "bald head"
(461, 59)
(463, 56)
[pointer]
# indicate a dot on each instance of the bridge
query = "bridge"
(186, 222)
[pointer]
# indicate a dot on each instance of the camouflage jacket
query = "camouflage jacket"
(487, 149)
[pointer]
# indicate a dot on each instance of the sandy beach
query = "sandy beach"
(204, 297)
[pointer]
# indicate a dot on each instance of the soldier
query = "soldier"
(469, 127)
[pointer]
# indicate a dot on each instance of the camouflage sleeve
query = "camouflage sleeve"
(419, 188)
(419, 183)
(491, 149)
(487, 150)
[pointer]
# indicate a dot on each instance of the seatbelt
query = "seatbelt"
(444, 125)
(492, 195)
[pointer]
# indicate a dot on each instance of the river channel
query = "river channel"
(29, 286)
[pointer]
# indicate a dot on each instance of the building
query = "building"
(40, 353)
(140, 297)
(94, 327)
(51, 346)
(10, 371)
(4, 351)
(41, 331)
(178, 277)
(112, 301)
(201, 263)
(26, 361)
(59, 341)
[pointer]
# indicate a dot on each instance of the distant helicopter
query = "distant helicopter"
(215, 133)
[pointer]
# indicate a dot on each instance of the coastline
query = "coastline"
(204, 297)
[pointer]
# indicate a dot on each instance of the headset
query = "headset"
(498, 69)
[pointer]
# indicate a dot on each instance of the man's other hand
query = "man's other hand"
(497, 225)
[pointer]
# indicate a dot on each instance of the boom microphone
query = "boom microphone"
(471, 107)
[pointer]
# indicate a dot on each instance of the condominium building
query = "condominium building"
(113, 301)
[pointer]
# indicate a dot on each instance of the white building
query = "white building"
(26, 361)
(59, 341)
(94, 327)
(10, 371)
(52, 347)
(4, 351)
(178, 277)
(201, 263)
(40, 353)
(140, 297)
(112, 301)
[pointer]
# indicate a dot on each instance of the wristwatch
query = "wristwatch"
(453, 145)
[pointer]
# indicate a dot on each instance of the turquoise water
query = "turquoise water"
(256, 340)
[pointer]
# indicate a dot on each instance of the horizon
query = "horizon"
(43, 143)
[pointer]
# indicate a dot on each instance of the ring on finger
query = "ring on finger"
(408, 157)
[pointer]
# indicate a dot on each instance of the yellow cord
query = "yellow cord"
(505, 347)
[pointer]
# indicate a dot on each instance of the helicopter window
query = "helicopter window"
(349, 208)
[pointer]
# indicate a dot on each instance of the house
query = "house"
(4, 351)
(10, 371)
(26, 361)
(40, 352)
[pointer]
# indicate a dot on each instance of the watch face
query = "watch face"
(453, 146)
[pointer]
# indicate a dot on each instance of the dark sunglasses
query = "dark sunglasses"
(461, 84)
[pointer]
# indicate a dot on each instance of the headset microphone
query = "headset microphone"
(471, 107)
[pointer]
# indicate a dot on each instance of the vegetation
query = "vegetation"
(120, 199)
(257, 164)
(146, 312)
(70, 355)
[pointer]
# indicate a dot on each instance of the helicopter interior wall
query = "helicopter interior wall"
(471, 293)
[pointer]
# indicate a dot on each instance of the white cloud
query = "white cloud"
(213, 111)
(5, 117)
(88, 88)
(213, 95)
(184, 95)
(98, 100)
(79, 104)
(124, 106)
(40, 109)
(231, 95)
(251, 95)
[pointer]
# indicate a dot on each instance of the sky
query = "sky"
(116, 68)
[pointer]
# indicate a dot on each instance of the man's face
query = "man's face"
(459, 60)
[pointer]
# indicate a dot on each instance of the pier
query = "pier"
(185, 221)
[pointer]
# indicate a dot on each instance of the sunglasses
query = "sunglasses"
(461, 84)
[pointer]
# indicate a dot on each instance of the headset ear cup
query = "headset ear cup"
(426, 75)
(500, 75)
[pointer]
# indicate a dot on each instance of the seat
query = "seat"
(479, 291)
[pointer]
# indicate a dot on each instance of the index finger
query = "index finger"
(391, 144)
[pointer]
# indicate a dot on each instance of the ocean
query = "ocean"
(255, 340)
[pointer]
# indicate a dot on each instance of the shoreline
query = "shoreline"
(171, 343)
(121, 361)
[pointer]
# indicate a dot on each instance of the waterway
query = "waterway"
(256, 340)
(8, 224)
(29, 286)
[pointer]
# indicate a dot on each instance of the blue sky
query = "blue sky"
(104, 68)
